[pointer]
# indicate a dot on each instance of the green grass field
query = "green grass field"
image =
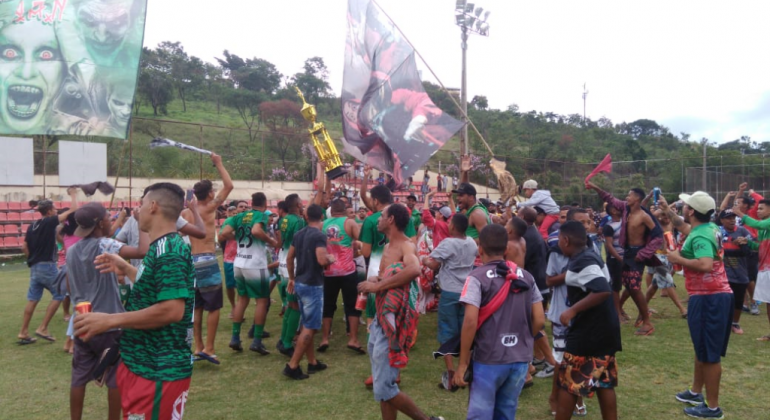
(34, 383)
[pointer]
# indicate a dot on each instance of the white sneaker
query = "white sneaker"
(547, 371)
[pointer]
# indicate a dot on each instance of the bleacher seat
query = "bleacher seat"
(3, 216)
(27, 217)
(14, 217)
(24, 228)
(15, 205)
(12, 242)
(3, 205)
(58, 205)
(10, 230)
(37, 216)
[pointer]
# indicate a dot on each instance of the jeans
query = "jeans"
(311, 304)
(495, 390)
(43, 276)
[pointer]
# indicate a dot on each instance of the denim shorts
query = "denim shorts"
(495, 390)
(450, 316)
(311, 304)
(383, 374)
(43, 276)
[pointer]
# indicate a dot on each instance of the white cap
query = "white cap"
(530, 184)
(699, 201)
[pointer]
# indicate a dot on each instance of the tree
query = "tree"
(187, 72)
(286, 125)
(258, 75)
(155, 82)
(313, 81)
(246, 103)
(231, 63)
(480, 102)
(215, 83)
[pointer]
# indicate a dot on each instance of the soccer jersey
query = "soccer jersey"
(252, 252)
(166, 273)
(763, 237)
(340, 245)
(290, 225)
(231, 247)
(705, 241)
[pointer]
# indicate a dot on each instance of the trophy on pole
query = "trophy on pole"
(322, 142)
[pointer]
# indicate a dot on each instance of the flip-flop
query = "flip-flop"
(684, 315)
(359, 349)
(322, 348)
(45, 337)
(26, 340)
(528, 384)
(203, 356)
(638, 323)
(644, 333)
(764, 338)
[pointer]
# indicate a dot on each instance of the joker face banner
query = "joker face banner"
(69, 66)
(388, 120)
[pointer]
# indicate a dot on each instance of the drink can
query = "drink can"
(669, 238)
(361, 302)
(83, 307)
(656, 194)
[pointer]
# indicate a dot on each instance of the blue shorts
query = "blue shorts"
(207, 272)
(311, 304)
(495, 390)
(450, 316)
(710, 318)
(43, 276)
(383, 374)
(229, 276)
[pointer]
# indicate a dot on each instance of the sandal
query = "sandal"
(641, 332)
(764, 338)
(580, 410)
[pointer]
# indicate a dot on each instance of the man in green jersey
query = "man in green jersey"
(154, 374)
(252, 277)
(416, 216)
(288, 225)
(477, 214)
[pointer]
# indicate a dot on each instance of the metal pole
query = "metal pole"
(200, 137)
(130, 164)
(703, 176)
(464, 150)
(45, 152)
(262, 161)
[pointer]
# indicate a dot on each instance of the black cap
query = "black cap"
(87, 217)
(724, 214)
(465, 188)
(412, 196)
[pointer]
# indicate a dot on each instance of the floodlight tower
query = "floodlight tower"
(474, 19)
(585, 96)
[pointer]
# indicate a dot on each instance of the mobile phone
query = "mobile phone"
(189, 196)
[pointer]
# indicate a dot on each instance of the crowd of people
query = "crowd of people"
(493, 272)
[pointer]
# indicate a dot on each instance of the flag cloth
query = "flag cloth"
(604, 166)
(388, 120)
(69, 67)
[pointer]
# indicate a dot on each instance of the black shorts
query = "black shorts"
(209, 298)
(710, 318)
(349, 287)
(615, 267)
(752, 264)
(86, 357)
(739, 291)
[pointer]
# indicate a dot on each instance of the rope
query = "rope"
(437, 78)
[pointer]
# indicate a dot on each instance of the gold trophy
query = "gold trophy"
(322, 142)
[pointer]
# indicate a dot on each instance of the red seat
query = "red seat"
(3, 205)
(12, 242)
(3, 216)
(14, 205)
(10, 230)
(58, 205)
(14, 217)
(36, 216)
(27, 217)
(24, 229)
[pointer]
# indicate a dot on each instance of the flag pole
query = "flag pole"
(464, 114)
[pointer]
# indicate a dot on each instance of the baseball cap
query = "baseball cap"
(412, 196)
(699, 201)
(530, 184)
(724, 214)
(465, 188)
(87, 217)
(445, 211)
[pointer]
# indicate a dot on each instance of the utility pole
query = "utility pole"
(703, 179)
(585, 95)
(464, 149)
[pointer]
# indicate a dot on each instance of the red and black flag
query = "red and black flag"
(388, 120)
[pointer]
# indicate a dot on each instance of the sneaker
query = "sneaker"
(283, 350)
(702, 411)
(689, 397)
(745, 308)
(369, 382)
(436, 418)
(446, 381)
(547, 371)
(737, 329)
(537, 362)
(755, 308)
(235, 344)
(317, 367)
(265, 334)
(294, 373)
(258, 347)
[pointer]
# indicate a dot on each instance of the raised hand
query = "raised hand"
(465, 163)
(216, 159)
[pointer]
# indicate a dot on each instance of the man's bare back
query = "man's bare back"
(639, 223)
(516, 251)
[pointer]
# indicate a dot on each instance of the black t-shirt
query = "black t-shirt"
(41, 240)
(596, 331)
(305, 242)
(536, 257)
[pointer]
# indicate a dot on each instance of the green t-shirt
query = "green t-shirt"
(289, 225)
(251, 251)
(166, 273)
(705, 241)
(416, 218)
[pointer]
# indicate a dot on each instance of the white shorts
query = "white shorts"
(283, 269)
(762, 289)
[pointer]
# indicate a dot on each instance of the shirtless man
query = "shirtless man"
(517, 246)
(398, 269)
(208, 278)
(661, 276)
(640, 236)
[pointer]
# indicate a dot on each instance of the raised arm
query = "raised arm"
(465, 168)
(607, 197)
(727, 201)
(676, 219)
(365, 187)
(73, 192)
(227, 188)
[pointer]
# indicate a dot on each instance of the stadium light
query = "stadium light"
(474, 19)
